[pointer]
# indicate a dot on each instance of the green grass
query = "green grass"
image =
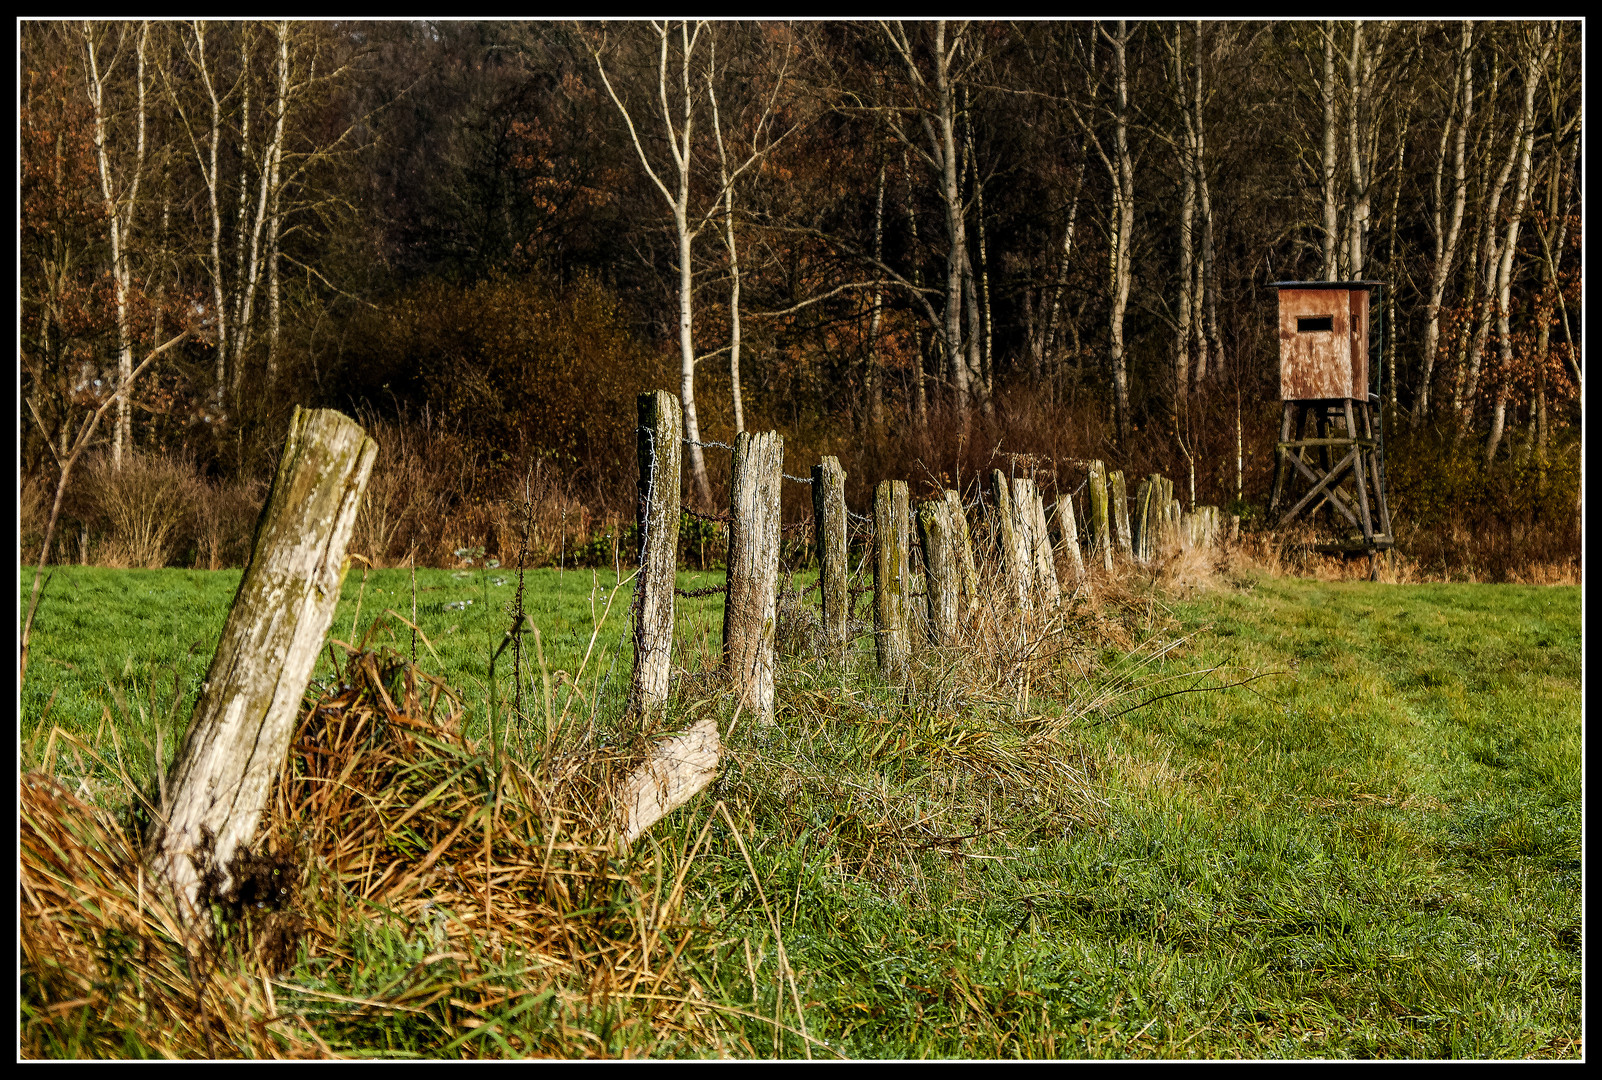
(129, 648)
(1374, 853)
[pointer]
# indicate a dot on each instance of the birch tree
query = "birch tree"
(1535, 52)
(678, 108)
(1454, 130)
(119, 189)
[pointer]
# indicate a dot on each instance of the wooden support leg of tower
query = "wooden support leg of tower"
(1357, 472)
(1279, 458)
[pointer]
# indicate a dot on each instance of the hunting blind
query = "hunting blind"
(1331, 444)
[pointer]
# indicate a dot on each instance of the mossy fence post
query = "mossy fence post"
(829, 531)
(750, 613)
(1100, 529)
(661, 450)
(238, 735)
(1119, 494)
(942, 565)
(891, 538)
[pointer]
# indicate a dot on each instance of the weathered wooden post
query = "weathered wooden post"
(829, 530)
(1050, 590)
(943, 578)
(1023, 531)
(1009, 544)
(1145, 547)
(1119, 496)
(660, 439)
(1069, 528)
(238, 736)
(970, 573)
(1100, 528)
(891, 536)
(750, 613)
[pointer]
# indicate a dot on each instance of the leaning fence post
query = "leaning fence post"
(943, 576)
(238, 736)
(891, 530)
(661, 435)
(1069, 528)
(1100, 530)
(749, 605)
(829, 531)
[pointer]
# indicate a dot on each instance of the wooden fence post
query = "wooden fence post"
(1100, 529)
(829, 530)
(970, 573)
(1023, 531)
(750, 604)
(942, 565)
(661, 449)
(1145, 499)
(238, 736)
(1069, 529)
(1008, 543)
(1045, 562)
(1120, 512)
(891, 536)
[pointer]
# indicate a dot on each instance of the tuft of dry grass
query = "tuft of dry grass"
(536, 937)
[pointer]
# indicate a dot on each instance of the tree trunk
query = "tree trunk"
(239, 734)
(661, 441)
(749, 608)
(829, 529)
(1332, 270)
(1446, 241)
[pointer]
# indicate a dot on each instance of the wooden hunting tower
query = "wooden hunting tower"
(1324, 368)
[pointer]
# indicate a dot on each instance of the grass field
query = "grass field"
(1372, 849)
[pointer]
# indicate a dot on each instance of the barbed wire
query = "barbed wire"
(797, 479)
(699, 442)
(710, 590)
(719, 519)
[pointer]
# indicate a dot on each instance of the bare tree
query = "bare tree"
(121, 195)
(1454, 130)
(1535, 51)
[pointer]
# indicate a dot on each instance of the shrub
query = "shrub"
(144, 505)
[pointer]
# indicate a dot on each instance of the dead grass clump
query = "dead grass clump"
(528, 934)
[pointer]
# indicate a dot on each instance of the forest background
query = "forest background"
(923, 247)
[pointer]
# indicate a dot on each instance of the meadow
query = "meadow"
(1274, 818)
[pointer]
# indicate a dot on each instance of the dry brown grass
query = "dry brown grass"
(386, 814)
(145, 505)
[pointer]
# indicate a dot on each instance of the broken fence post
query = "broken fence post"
(1045, 561)
(239, 732)
(750, 614)
(970, 574)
